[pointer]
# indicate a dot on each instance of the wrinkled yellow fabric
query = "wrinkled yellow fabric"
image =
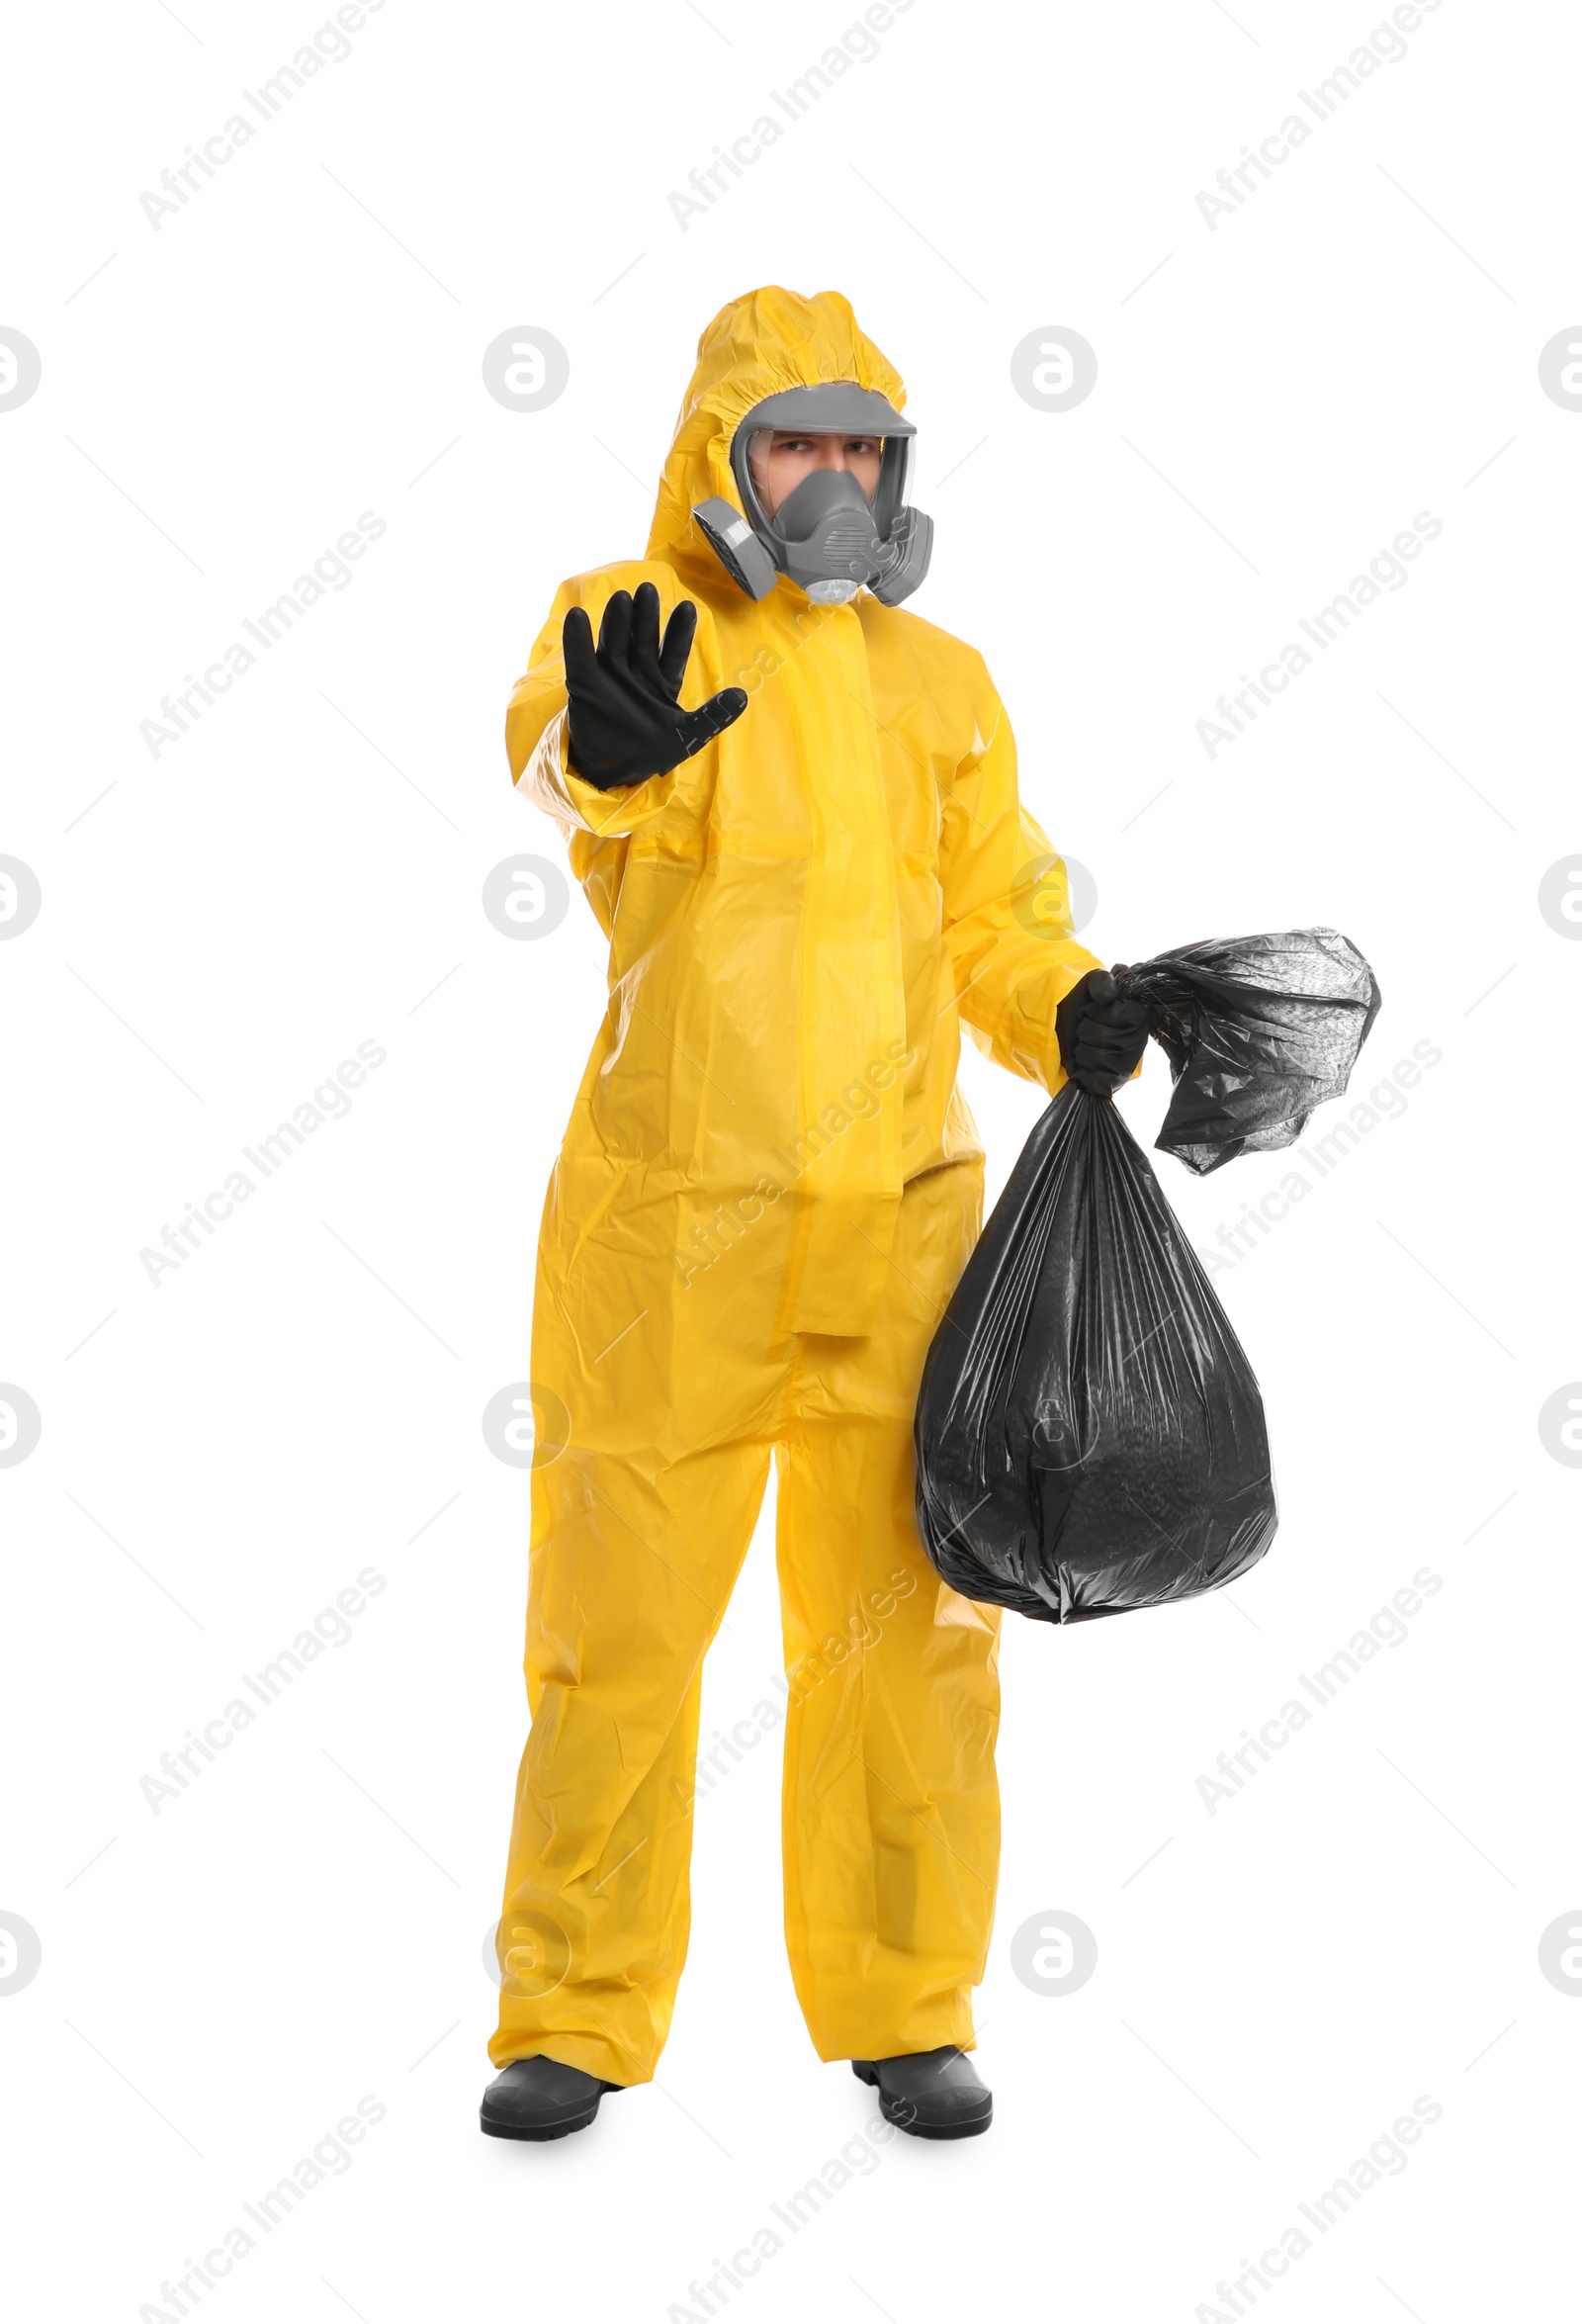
(766, 1192)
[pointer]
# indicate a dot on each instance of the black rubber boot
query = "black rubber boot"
(538, 2097)
(931, 2093)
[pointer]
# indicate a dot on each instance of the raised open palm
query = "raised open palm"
(626, 723)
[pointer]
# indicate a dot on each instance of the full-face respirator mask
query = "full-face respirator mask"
(826, 535)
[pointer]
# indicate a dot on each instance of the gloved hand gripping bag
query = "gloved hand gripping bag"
(1089, 1435)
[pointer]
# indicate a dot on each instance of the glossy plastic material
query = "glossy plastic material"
(1258, 1031)
(1089, 1435)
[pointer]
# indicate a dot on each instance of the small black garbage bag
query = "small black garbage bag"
(1089, 1435)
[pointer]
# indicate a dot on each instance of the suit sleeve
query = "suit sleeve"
(1007, 909)
(536, 727)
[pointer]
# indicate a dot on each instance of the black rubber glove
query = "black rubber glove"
(1101, 1036)
(625, 723)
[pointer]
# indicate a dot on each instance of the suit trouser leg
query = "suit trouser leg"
(891, 1820)
(891, 1808)
(630, 1575)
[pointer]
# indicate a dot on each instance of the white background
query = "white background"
(219, 1456)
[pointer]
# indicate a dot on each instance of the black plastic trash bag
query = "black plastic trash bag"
(1089, 1435)
(1258, 1031)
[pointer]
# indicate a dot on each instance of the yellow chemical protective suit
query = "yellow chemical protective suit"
(767, 1189)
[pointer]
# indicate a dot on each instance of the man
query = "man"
(794, 811)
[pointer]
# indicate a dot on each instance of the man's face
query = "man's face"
(779, 466)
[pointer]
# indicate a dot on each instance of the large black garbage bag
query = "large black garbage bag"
(1089, 1435)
